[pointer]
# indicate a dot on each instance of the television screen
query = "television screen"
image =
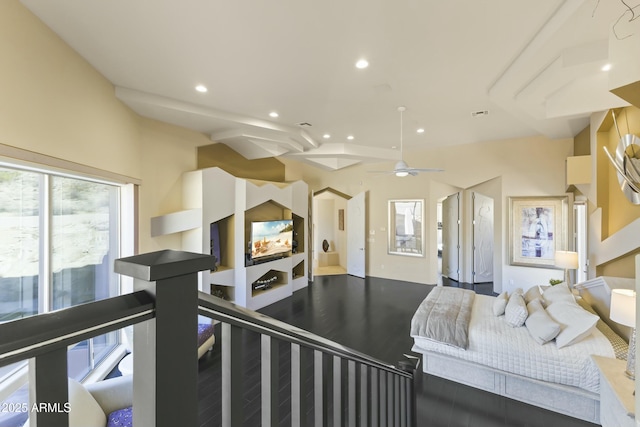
(270, 238)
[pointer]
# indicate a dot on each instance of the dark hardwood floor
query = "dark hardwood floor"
(372, 316)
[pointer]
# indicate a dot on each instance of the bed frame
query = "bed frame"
(572, 401)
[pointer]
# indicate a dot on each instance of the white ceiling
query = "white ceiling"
(535, 66)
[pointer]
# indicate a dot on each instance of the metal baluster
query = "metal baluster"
(352, 394)
(364, 395)
(48, 384)
(270, 380)
(319, 401)
(383, 399)
(231, 376)
(390, 399)
(403, 402)
(411, 401)
(337, 391)
(396, 399)
(375, 399)
(295, 385)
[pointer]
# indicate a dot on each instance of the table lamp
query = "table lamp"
(623, 311)
(567, 260)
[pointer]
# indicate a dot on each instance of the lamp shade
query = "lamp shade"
(623, 307)
(566, 259)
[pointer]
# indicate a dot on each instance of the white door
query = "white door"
(356, 235)
(482, 238)
(451, 237)
(310, 231)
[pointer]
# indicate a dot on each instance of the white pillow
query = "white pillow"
(531, 294)
(500, 303)
(84, 410)
(539, 324)
(575, 322)
(516, 311)
(556, 293)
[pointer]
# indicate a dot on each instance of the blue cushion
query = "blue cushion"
(121, 418)
(205, 330)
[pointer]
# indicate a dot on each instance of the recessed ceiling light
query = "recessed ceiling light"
(326, 136)
(606, 67)
(350, 137)
(362, 63)
(201, 88)
(273, 114)
(420, 130)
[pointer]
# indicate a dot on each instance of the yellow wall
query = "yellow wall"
(622, 211)
(220, 155)
(616, 210)
(582, 142)
(54, 103)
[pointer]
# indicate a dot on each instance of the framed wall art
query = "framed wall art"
(538, 228)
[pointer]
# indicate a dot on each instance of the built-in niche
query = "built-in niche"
(221, 242)
(298, 270)
(223, 292)
(298, 234)
(270, 280)
(274, 245)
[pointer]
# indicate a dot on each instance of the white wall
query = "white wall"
(533, 166)
(324, 224)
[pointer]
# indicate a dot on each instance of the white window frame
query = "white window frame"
(19, 159)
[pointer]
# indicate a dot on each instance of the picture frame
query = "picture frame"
(341, 219)
(538, 228)
(406, 227)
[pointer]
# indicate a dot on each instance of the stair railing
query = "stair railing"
(349, 388)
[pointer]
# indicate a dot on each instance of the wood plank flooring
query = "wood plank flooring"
(371, 316)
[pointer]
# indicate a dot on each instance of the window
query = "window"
(580, 242)
(60, 237)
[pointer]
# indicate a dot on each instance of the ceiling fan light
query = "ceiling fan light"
(402, 173)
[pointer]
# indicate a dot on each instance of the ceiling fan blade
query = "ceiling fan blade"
(383, 172)
(425, 170)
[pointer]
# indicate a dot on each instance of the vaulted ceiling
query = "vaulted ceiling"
(467, 71)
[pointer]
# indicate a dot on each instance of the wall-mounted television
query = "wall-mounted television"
(271, 239)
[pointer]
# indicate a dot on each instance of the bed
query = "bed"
(507, 361)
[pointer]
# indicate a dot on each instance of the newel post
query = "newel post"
(165, 360)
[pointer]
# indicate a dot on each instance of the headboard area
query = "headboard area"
(597, 292)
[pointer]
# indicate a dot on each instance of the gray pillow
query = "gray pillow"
(539, 324)
(516, 311)
(500, 303)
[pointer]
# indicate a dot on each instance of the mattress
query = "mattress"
(492, 342)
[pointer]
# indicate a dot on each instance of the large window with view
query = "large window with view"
(60, 237)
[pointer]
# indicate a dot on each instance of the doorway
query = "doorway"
(450, 230)
(329, 238)
(482, 238)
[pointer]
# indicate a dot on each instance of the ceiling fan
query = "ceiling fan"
(401, 168)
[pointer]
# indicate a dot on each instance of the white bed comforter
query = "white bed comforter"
(492, 342)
